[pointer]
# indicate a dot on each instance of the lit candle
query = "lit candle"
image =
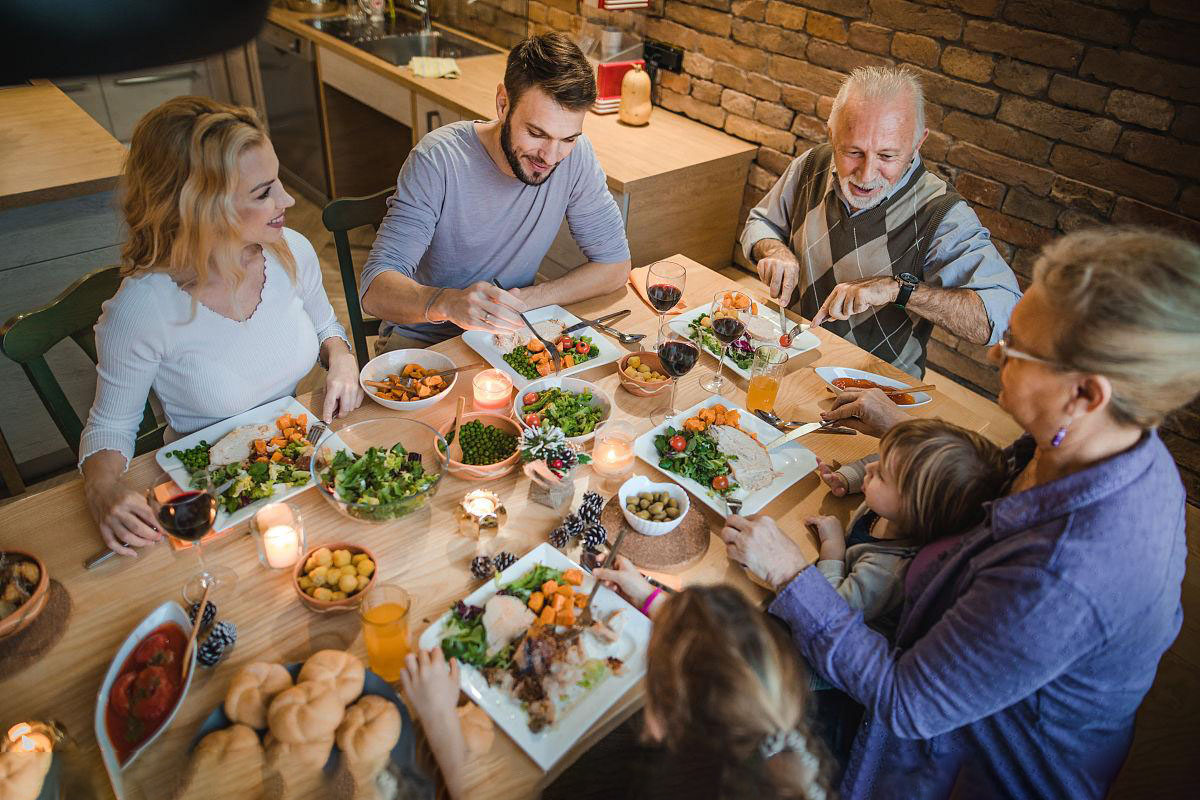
(281, 546)
(273, 514)
(23, 738)
(612, 457)
(492, 390)
(481, 510)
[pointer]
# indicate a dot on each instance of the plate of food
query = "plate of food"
(576, 406)
(265, 452)
(849, 378)
(760, 329)
(404, 380)
(528, 661)
(525, 359)
(717, 451)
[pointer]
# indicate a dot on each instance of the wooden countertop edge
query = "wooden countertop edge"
(61, 192)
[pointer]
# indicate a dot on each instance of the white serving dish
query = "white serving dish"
(391, 362)
(484, 344)
(828, 374)
(803, 343)
(600, 398)
(551, 744)
(792, 461)
(640, 483)
(167, 612)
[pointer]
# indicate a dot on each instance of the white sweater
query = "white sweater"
(204, 367)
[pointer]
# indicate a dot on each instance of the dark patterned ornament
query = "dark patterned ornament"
(481, 567)
(218, 644)
(210, 614)
(594, 538)
(504, 560)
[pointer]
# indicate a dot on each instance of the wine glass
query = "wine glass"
(664, 287)
(728, 318)
(188, 515)
(678, 355)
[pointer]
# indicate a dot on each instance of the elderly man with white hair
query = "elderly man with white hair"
(879, 248)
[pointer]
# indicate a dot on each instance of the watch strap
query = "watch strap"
(906, 290)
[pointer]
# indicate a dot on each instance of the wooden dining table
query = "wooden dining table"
(424, 553)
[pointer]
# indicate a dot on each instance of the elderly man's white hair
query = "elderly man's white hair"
(880, 84)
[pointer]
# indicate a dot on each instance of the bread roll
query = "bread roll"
(338, 668)
(226, 763)
(22, 774)
(251, 691)
(307, 756)
(307, 712)
(368, 733)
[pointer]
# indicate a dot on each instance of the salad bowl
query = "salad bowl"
(574, 416)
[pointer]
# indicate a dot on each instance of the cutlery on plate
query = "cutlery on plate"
(407, 382)
(609, 318)
(790, 336)
(586, 618)
(733, 506)
(550, 346)
(803, 430)
(623, 338)
(827, 427)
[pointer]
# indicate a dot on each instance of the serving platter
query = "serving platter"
(800, 344)
(829, 374)
(791, 461)
(552, 743)
(485, 344)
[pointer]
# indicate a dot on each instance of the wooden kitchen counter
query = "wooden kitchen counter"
(50, 149)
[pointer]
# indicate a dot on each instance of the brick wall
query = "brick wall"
(1047, 115)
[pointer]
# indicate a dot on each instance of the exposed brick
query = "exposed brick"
(702, 19)
(563, 5)
(1170, 38)
(981, 191)
(773, 160)
(731, 76)
(1071, 220)
(561, 20)
(950, 92)
(1160, 152)
(1079, 94)
(936, 146)
(716, 5)
(769, 37)
(1146, 74)
(801, 73)
(1013, 230)
(1020, 203)
(824, 106)
(537, 12)
(840, 57)
(690, 106)
(1017, 76)
(1187, 123)
(967, 64)
(750, 9)
(738, 103)
(915, 49)
(872, 38)
(773, 114)
(785, 15)
(672, 33)
(858, 9)
(1040, 48)
(1140, 109)
(824, 26)
(761, 134)
(1022, 263)
(762, 87)
(1185, 422)
(980, 8)
(697, 65)
(995, 136)
(707, 92)
(1104, 171)
(1070, 18)
(1186, 453)
(949, 361)
(1060, 123)
(1177, 9)
(676, 82)
(761, 179)
(798, 99)
(1129, 211)
(748, 58)
(905, 16)
(1189, 202)
(809, 128)
(1002, 168)
(1081, 196)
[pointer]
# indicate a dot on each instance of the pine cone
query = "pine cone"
(210, 614)
(481, 567)
(573, 525)
(590, 512)
(560, 537)
(504, 560)
(595, 538)
(218, 644)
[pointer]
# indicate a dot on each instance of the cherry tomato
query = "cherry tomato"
(153, 694)
(678, 443)
(529, 399)
(582, 347)
(118, 696)
(720, 482)
(532, 420)
(785, 341)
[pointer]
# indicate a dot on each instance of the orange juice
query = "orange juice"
(385, 630)
(760, 396)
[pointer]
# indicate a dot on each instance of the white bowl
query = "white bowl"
(391, 362)
(640, 483)
(600, 398)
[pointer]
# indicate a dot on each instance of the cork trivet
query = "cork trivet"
(22, 649)
(672, 552)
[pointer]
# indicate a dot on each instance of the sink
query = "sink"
(397, 42)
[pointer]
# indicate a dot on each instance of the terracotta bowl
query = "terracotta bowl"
(346, 604)
(27, 612)
(484, 472)
(642, 388)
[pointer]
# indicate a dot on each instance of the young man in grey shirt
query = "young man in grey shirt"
(483, 201)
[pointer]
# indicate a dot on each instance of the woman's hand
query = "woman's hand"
(343, 393)
(835, 481)
(125, 519)
(763, 549)
(626, 579)
(867, 410)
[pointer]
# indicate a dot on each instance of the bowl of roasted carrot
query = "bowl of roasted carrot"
(406, 380)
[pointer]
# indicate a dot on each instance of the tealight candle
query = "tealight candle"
(281, 545)
(29, 737)
(481, 511)
(612, 455)
(492, 390)
(279, 534)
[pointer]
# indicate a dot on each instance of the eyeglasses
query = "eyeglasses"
(1007, 352)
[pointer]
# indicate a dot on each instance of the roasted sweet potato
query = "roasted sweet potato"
(574, 577)
(536, 601)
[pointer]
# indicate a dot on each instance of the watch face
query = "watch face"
(908, 277)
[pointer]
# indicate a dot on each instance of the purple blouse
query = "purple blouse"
(1021, 658)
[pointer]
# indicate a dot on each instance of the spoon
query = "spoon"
(452, 439)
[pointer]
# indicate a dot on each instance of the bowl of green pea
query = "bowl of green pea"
(490, 446)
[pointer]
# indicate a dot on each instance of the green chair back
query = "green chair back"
(27, 337)
(340, 217)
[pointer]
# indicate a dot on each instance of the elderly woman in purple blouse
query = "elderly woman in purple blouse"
(1026, 644)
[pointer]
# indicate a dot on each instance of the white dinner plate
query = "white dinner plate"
(792, 461)
(828, 374)
(804, 342)
(552, 743)
(484, 343)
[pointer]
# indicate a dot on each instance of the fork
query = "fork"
(551, 348)
(586, 618)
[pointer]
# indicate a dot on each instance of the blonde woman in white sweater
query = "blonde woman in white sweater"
(222, 308)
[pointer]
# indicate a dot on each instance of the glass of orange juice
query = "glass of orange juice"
(766, 372)
(384, 614)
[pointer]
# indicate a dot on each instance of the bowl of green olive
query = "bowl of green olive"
(653, 509)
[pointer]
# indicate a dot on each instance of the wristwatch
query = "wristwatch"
(908, 282)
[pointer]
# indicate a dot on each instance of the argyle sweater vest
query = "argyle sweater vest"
(891, 238)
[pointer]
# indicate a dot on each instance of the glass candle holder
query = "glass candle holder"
(481, 513)
(30, 737)
(492, 391)
(612, 453)
(278, 531)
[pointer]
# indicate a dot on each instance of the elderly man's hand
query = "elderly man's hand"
(780, 272)
(868, 410)
(855, 297)
(763, 549)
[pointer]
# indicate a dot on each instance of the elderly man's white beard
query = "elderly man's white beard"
(863, 203)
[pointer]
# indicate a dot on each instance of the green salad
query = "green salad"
(573, 412)
(573, 350)
(740, 352)
(465, 638)
(252, 481)
(699, 459)
(381, 477)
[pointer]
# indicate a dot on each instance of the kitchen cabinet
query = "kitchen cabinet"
(88, 95)
(129, 95)
(430, 116)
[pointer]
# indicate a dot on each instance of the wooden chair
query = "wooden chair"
(340, 217)
(27, 337)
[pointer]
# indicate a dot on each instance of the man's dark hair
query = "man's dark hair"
(556, 65)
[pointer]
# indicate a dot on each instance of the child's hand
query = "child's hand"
(836, 483)
(826, 528)
(431, 685)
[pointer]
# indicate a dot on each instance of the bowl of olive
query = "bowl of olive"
(653, 509)
(334, 577)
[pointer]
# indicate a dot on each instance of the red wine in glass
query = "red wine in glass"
(728, 329)
(664, 296)
(678, 357)
(188, 515)
(664, 287)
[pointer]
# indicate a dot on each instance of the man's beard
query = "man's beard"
(514, 162)
(863, 203)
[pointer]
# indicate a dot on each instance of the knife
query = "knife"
(809, 427)
(607, 318)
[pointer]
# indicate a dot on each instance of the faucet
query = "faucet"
(424, 6)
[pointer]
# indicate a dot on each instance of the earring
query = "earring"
(1059, 436)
